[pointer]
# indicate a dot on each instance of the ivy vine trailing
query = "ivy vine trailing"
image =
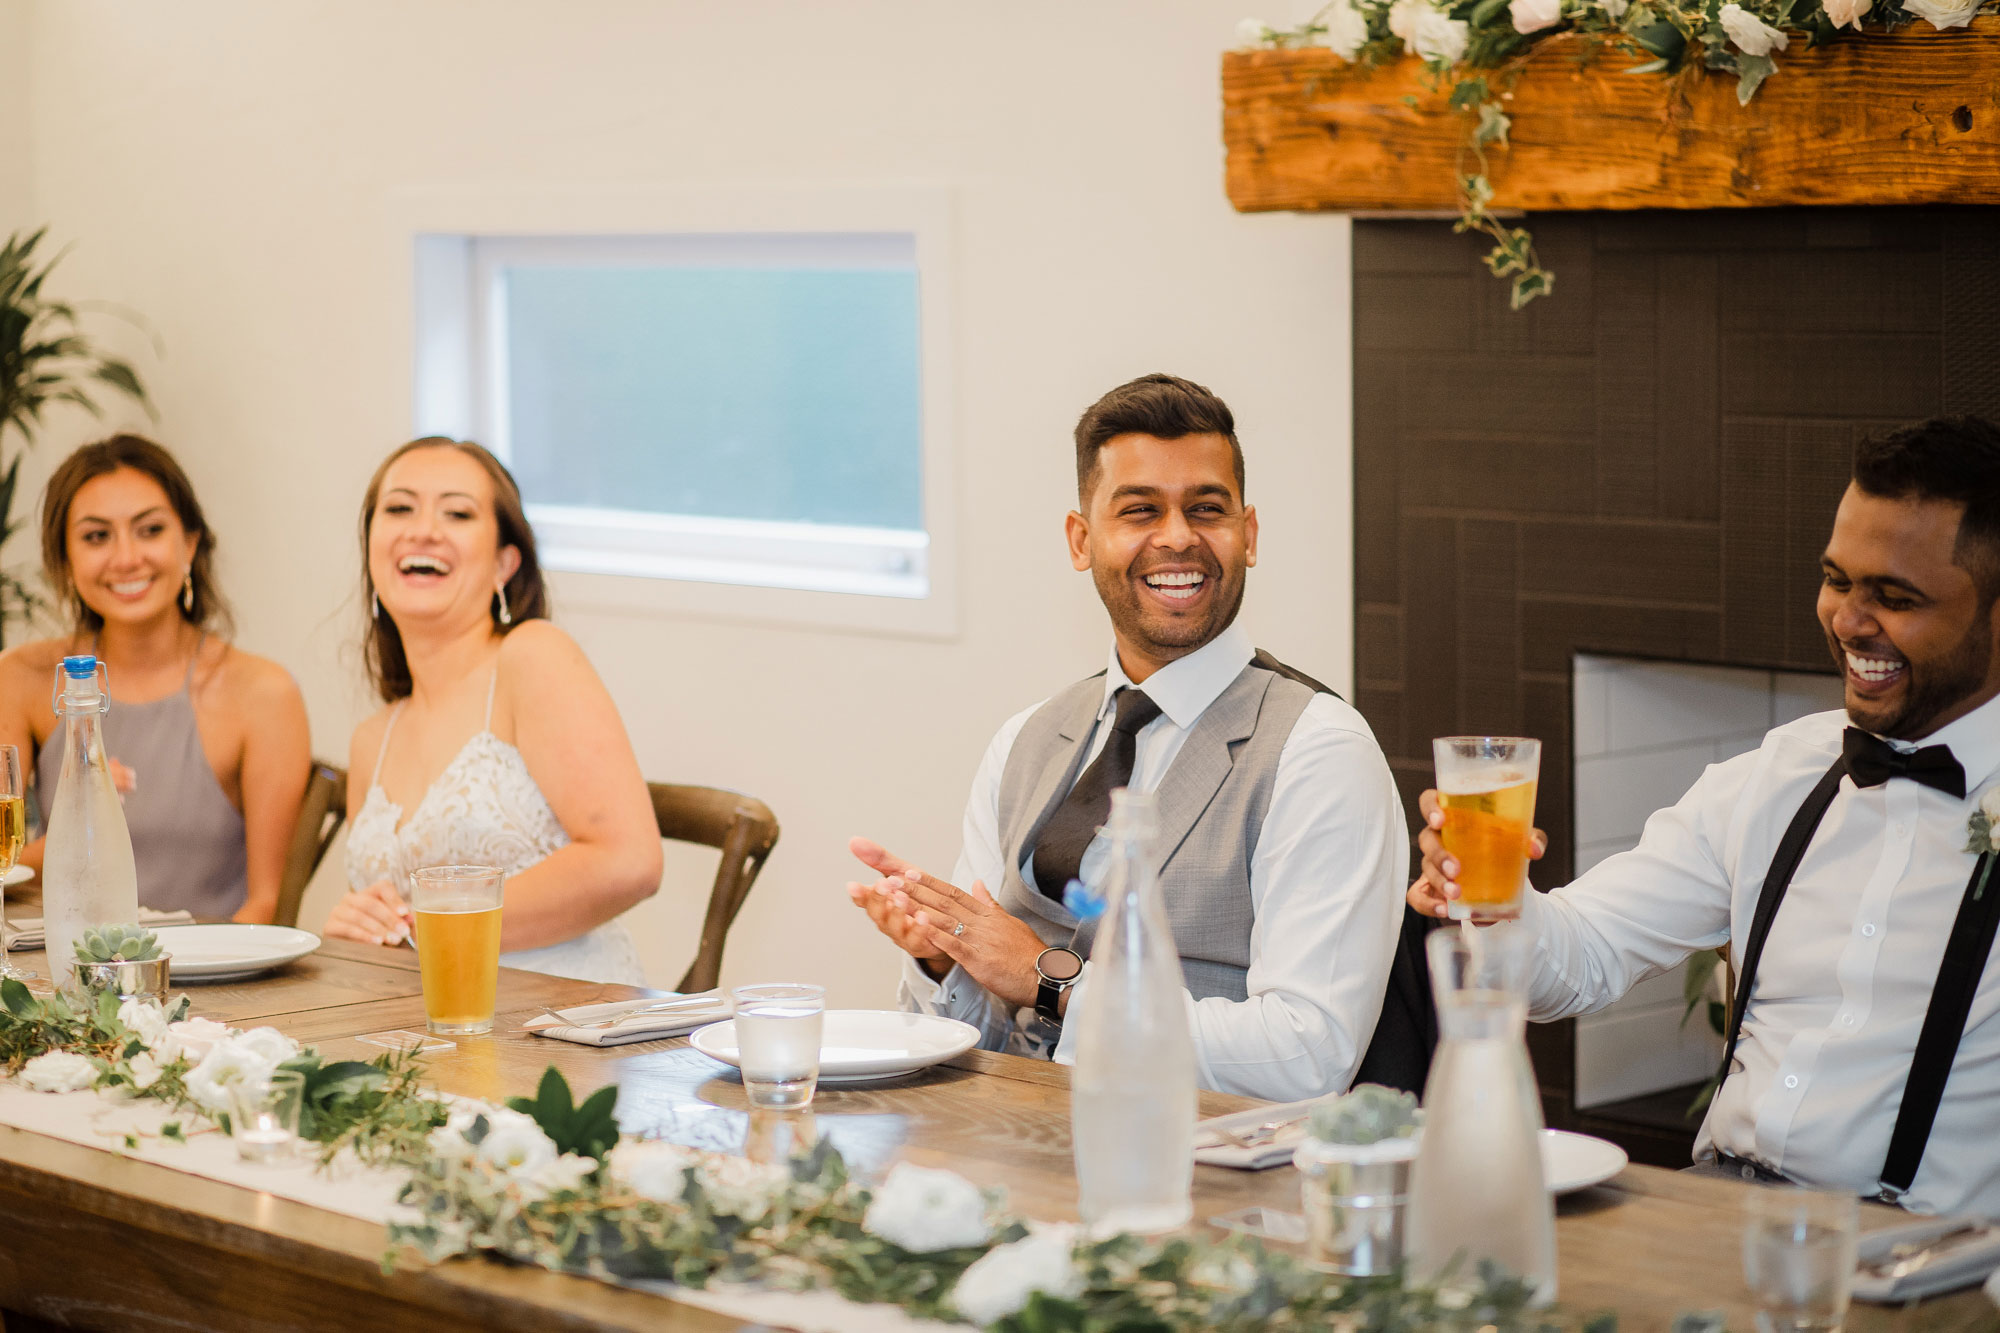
(1475, 51)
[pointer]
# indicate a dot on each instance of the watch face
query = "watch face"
(1059, 964)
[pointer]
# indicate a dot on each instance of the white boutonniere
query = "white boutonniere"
(1982, 826)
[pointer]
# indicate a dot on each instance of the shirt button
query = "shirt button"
(1791, 1080)
(1902, 830)
(1847, 1020)
(1868, 929)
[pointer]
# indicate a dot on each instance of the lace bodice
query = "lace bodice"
(483, 809)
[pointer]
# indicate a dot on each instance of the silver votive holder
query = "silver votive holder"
(143, 980)
(1356, 1200)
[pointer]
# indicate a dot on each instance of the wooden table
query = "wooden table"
(92, 1239)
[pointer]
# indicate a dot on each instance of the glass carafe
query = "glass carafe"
(88, 877)
(1477, 1195)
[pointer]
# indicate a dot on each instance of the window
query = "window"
(742, 408)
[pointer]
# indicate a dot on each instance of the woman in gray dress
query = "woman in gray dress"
(209, 743)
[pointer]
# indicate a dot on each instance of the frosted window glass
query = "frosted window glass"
(761, 393)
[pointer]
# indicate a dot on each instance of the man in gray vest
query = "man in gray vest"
(1283, 843)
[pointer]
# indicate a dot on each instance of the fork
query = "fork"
(612, 1020)
(1257, 1135)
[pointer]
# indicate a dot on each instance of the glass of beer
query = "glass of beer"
(458, 945)
(1486, 785)
(13, 834)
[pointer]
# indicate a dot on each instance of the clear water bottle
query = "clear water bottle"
(1477, 1194)
(1132, 1097)
(88, 877)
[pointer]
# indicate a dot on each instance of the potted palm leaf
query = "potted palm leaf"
(45, 359)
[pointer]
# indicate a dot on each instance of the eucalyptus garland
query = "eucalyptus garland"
(1475, 52)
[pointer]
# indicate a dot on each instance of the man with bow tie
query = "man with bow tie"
(1847, 863)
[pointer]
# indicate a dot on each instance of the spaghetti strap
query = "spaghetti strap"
(375, 778)
(492, 684)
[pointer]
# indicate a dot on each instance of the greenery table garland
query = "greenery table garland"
(550, 1181)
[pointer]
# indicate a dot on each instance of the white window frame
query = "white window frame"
(872, 580)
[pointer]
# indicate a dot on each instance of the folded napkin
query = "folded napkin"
(1267, 1147)
(1958, 1261)
(26, 933)
(638, 1026)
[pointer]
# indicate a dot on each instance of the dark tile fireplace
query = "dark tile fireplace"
(1643, 465)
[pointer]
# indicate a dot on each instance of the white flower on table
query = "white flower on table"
(1534, 15)
(58, 1071)
(1428, 31)
(148, 1022)
(1753, 36)
(924, 1210)
(196, 1037)
(566, 1172)
(1346, 31)
(1000, 1283)
(145, 1070)
(448, 1140)
(1252, 32)
(269, 1043)
(651, 1168)
(1847, 13)
(516, 1144)
(1942, 14)
(1615, 9)
(741, 1188)
(228, 1063)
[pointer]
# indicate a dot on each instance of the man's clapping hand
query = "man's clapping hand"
(940, 924)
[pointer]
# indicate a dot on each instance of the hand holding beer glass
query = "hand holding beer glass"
(1486, 788)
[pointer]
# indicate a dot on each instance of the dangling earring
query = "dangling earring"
(187, 590)
(374, 605)
(506, 616)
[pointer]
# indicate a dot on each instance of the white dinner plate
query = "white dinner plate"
(861, 1045)
(230, 952)
(18, 875)
(1577, 1161)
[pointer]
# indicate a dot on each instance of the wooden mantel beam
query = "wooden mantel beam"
(1912, 118)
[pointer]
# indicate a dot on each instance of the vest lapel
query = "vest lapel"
(1206, 757)
(1051, 785)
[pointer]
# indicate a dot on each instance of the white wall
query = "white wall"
(226, 169)
(15, 103)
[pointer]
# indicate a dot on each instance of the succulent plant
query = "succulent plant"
(117, 944)
(1368, 1114)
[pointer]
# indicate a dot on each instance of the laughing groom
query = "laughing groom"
(1282, 839)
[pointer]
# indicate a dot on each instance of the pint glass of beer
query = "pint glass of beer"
(1486, 785)
(458, 945)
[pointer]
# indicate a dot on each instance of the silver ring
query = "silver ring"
(958, 929)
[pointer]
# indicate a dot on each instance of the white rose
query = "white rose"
(269, 1044)
(197, 1036)
(1944, 14)
(1000, 1283)
(651, 1169)
(566, 1172)
(145, 1067)
(517, 1146)
(58, 1071)
(1437, 37)
(1752, 35)
(1252, 32)
(1989, 804)
(1403, 16)
(1534, 15)
(1615, 9)
(1346, 31)
(226, 1064)
(148, 1022)
(742, 1188)
(924, 1210)
(1847, 13)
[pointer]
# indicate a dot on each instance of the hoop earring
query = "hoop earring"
(187, 591)
(506, 616)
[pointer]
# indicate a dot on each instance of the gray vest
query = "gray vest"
(1211, 803)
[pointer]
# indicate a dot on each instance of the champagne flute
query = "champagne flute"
(13, 834)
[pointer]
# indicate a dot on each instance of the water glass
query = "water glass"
(1486, 787)
(1798, 1257)
(777, 1041)
(13, 835)
(264, 1114)
(457, 911)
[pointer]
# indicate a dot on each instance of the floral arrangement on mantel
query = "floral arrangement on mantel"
(1475, 49)
(550, 1181)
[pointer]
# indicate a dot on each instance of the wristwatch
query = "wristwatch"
(1058, 969)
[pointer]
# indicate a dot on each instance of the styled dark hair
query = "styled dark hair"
(205, 608)
(527, 597)
(1945, 458)
(1165, 407)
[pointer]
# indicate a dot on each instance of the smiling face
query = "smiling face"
(434, 553)
(127, 551)
(1166, 538)
(1916, 641)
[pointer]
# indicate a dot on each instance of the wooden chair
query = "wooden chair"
(320, 817)
(744, 830)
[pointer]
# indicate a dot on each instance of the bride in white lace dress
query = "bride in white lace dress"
(499, 745)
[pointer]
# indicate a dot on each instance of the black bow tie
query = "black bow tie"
(1872, 761)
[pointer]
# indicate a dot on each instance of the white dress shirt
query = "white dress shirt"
(1847, 971)
(1326, 884)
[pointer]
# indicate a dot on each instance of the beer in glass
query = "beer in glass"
(458, 945)
(1486, 786)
